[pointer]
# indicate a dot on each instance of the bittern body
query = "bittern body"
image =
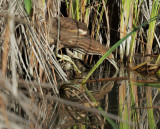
(75, 35)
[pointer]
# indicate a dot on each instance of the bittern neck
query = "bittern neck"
(86, 45)
(93, 50)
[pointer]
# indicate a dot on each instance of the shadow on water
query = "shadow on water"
(124, 98)
(122, 94)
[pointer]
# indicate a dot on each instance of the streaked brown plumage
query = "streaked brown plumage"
(74, 34)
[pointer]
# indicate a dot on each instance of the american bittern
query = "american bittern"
(75, 35)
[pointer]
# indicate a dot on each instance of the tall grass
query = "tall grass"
(31, 78)
(150, 37)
